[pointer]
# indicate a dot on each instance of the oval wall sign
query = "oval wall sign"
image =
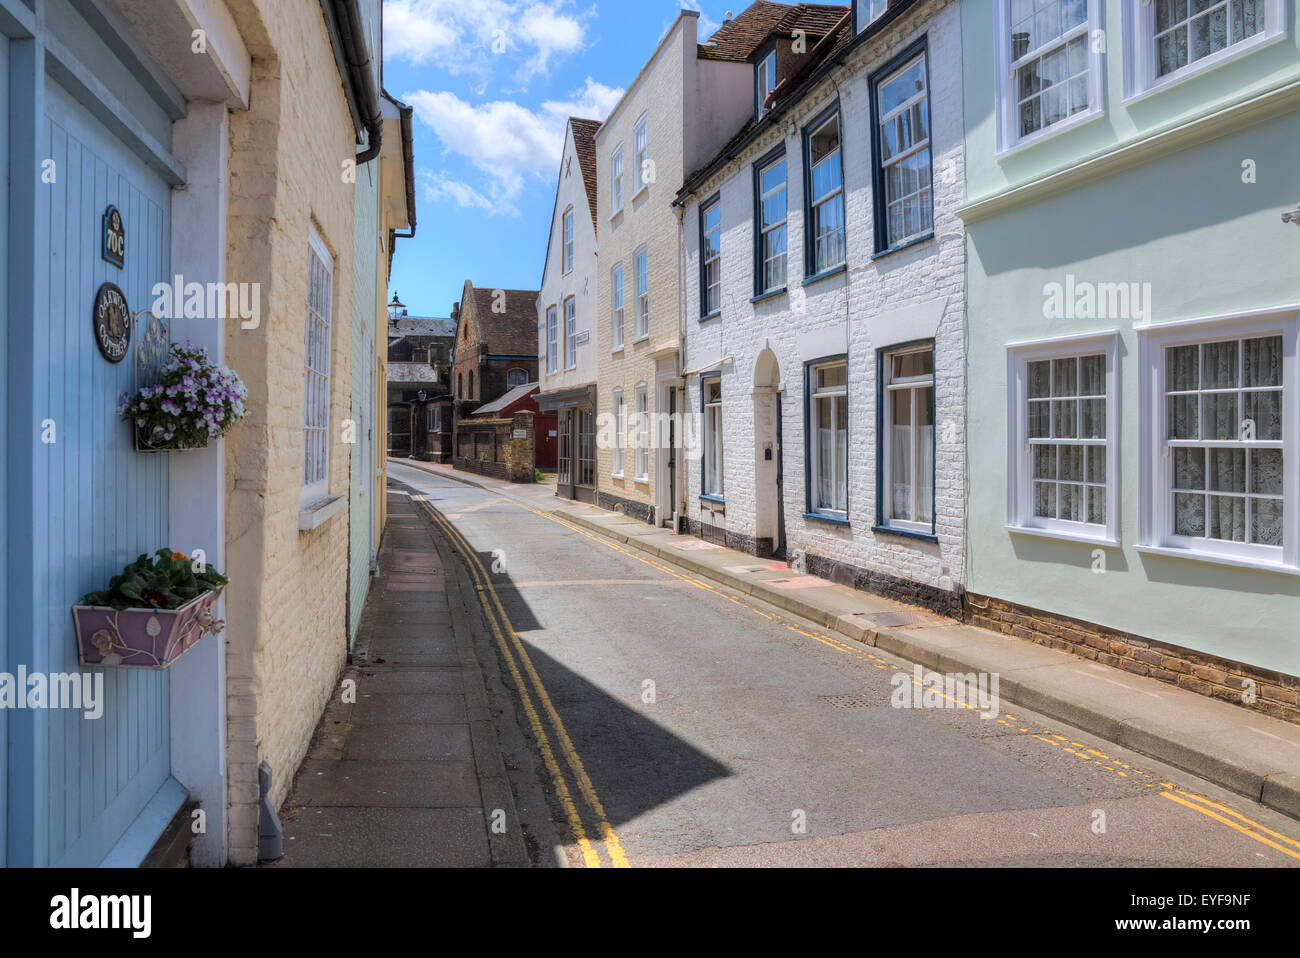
(113, 249)
(112, 322)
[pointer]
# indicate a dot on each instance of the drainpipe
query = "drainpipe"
(355, 60)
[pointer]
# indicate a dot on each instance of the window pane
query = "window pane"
(1065, 419)
(1189, 469)
(913, 365)
(902, 88)
(1266, 522)
(1220, 366)
(1092, 380)
(1040, 380)
(1266, 471)
(1072, 463)
(1045, 500)
(1066, 377)
(1097, 464)
(1094, 419)
(1040, 420)
(1096, 505)
(1265, 411)
(1183, 365)
(1227, 518)
(1263, 361)
(1184, 422)
(1222, 418)
(1228, 470)
(831, 377)
(1045, 462)
(1189, 515)
(1072, 503)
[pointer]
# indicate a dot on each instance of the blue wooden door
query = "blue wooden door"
(99, 503)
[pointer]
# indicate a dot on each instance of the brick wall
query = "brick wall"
(869, 309)
(286, 635)
(1275, 693)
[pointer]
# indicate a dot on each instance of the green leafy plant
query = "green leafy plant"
(195, 400)
(165, 581)
(538, 475)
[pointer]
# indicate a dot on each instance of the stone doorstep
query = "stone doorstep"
(1253, 755)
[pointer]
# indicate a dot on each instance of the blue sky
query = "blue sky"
(492, 83)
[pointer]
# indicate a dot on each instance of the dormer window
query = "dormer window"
(765, 82)
(869, 11)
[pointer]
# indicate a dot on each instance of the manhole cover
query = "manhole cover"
(853, 700)
(902, 620)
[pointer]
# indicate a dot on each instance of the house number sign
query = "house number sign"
(112, 322)
(113, 249)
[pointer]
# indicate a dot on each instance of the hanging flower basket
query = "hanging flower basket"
(194, 401)
(152, 614)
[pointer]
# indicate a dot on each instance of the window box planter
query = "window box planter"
(191, 401)
(143, 638)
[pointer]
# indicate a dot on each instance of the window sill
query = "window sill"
(915, 241)
(1259, 565)
(827, 274)
(645, 188)
(616, 349)
(1048, 133)
(905, 534)
(616, 214)
(829, 520)
(1214, 61)
(770, 294)
(642, 480)
(1080, 537)
(617, 475)
(716, 500)
(641, 339)
(312, 517)
(711, 316)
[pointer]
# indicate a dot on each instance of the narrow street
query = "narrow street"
(683, 724)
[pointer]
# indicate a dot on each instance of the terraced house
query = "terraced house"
(676, 114)
(566, 314)
(1134, 391)
(824, 297)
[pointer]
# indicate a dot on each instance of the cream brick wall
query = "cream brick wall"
(286, 633)
(858, 315)
(690, 106)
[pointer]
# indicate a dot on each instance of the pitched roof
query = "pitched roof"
(411, 373)
(421, 326)
(738, 38)
(584, 143)
(502, 403)
(513, 332)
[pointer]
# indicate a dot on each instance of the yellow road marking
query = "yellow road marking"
(612, 844)
(1233, 825)
(1227, 811)
(836, 644)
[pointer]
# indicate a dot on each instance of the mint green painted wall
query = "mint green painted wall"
(1121, 123)
(365, 296)
(1209, 245)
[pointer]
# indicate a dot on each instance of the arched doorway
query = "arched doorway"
(769, 473)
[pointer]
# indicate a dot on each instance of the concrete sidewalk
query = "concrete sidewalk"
(1252, 755)
(409, 772)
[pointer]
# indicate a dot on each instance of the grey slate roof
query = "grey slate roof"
(411, 373)
(421, 326)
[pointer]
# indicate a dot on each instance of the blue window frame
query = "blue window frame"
(711, 257)
(826, 439)
(712, 459)
(905, 427)
(902, 164)
(771, 222)
(824, 234)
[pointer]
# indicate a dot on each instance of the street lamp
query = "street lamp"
(396, 309)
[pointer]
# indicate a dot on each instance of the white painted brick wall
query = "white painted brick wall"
(799, 326)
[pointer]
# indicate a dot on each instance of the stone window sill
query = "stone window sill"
(315, 515)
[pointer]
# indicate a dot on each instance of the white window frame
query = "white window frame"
(711, 289)
(641, 292)
(571, 333)
(641, 466)
(552, 340)
(1008, 94)
(765, 231)
(869, 11)
(566, 266)
(618, 289)
(640, 152)
(1140, 49)
(620, 435)
(318, 383)
(616, 181)
(888, 242)
(713, 464)
(833, 394)
(434, 423)
(766, 80)
(1156, 463)
(1020, 463)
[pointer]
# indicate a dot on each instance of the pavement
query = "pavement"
(406, 769)
(1253, 756)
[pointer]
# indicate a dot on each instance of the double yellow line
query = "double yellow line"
(511, 647)
(1247, 827)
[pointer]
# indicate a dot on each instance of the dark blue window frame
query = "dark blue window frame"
(809, 512)
(763, 52)
(772, 156)
(880, 202)
(881, 525)
(705, 312)
(811, 273)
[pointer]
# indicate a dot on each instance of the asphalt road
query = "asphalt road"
(688, 725)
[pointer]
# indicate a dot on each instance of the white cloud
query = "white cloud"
(707, 26)
(438, 186)
(507, 143)
(471, 37)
